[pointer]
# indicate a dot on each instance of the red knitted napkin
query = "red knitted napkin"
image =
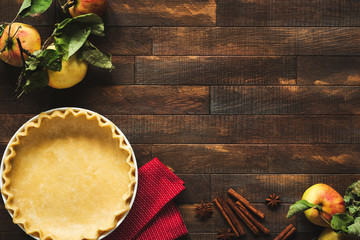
(153, 215)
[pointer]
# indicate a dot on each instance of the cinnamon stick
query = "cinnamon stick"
(252, 219)
(284, 232)
(248, 223)
(232, 216)
(246, 203)
(292, 231)
(226, 217)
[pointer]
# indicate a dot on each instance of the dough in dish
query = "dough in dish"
(68, 175)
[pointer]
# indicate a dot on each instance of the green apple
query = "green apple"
(330, 201)
(72, 72)
(29, 38)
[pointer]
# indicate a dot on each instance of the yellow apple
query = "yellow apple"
(329, 234)
(329, 199)
(29, 38)
(72, 72)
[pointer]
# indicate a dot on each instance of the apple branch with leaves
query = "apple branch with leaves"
(69, 37)
(348, 222)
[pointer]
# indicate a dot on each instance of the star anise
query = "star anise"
(225, 234)
(273, 200)
(204, 210)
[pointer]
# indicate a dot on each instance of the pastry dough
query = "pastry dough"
(68, 175)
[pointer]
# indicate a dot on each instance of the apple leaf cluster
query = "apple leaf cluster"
(348, 222)
(70, 37)
(71, 34)
(34, 73)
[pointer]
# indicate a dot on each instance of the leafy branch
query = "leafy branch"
(69, 37)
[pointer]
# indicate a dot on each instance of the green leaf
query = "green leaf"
(34, 8)
(340, 221)
(35, 81)
(93, 20)
(354, 189)
(301, 206)
(71, 34)
(92, 55)
(51, 59)
(354, 229)
(2, 28)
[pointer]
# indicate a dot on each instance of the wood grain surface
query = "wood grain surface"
(261, 96)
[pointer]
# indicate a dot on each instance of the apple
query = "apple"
(329, 234)
(72, 72)
(81, 7)
(29, 38)
(329, 199)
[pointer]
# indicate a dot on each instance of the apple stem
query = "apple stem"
(21, 51)
(321, 211)
(46, 43)
(69, 4)
(20, 82)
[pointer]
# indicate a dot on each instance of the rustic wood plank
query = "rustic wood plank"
(319, 158)
(328, 70)
(35, 102)
(138, 99)
(6, 223)
(218, 129)
(197, 188)
(328, 41)
(256, 41)
(213, 236)
(9, 74)
(121, 75)
(240, 129)
(260, 158)
(19, 235)
(125, 41)
(215, 70)
(224, 41)
(255, 188)
(285, 100)
(161, 13)
(288, 13)
(199, 158)
(193, 223)
(198, 236)
(143, 153)
(9, 9)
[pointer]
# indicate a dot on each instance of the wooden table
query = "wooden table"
(261, 96)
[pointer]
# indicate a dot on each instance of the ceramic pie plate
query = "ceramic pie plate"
(77, 178)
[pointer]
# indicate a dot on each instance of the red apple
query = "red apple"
(87, 6)
(29, 38)
(330, 201)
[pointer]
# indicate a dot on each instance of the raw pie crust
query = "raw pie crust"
(68, 175)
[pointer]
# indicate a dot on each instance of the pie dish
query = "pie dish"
(68, 174)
